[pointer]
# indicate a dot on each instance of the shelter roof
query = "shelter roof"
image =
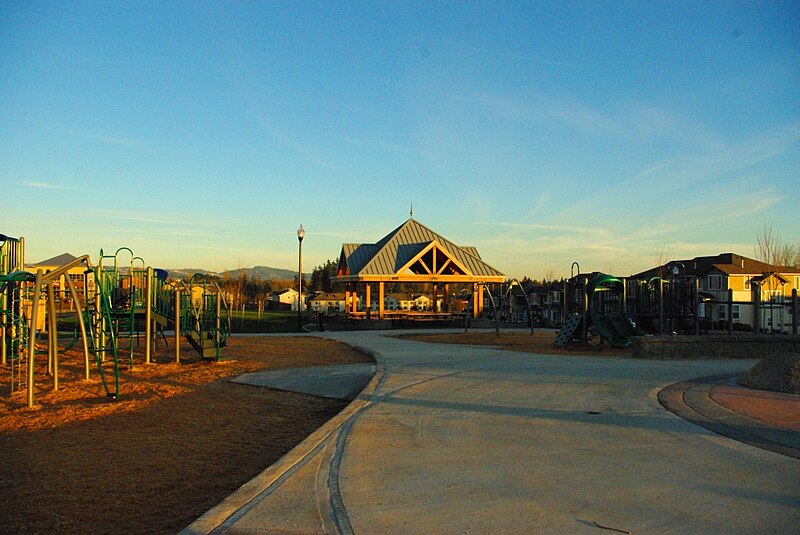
(413, 252)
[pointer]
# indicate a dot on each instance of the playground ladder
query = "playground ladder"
(568, 330)
(203, 326)
(104, 338)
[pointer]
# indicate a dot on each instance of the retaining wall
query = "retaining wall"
(714, 346)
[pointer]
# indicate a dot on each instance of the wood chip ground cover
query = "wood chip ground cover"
(179, 440)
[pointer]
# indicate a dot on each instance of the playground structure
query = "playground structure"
(113, 307)
(619, 308)
(596, 302)
(201, 316)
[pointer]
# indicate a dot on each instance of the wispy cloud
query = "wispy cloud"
(140, 217)
(86, 133)
(719, 161)
(379, 144)
(557, 228)
(43, 185)
(700, 214)
(302, 150)
(511, 55)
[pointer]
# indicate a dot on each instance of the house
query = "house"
(329, 302)
(547, 299)
(77, 274)
(285, 299)
(717, 276)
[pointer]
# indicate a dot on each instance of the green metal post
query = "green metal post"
(585, 309)
(696, 306)
(177, 322)
(218, 325)
(37, 292)
(660, 305)
(148, 319)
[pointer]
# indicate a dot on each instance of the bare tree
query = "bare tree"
(771, 250)
(662, 257)
(767, 244)
(788, 255)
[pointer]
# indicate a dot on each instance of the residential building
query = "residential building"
(329, 302)
(716, 275)
(285, 298)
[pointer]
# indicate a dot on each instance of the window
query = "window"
(773, 295)
(715, 282)
(735, 312)
(722, 312)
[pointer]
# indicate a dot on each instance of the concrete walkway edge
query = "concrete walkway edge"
(691, 400)
(237, 504)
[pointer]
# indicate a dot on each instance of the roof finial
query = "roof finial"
(411, 212)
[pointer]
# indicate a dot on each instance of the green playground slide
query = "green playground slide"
(615, 326)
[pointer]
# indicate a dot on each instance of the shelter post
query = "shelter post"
(380, 300)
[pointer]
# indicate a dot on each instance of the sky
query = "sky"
(202, 134)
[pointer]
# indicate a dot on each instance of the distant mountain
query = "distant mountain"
(260, 272)
(186, 273)
(263, 273)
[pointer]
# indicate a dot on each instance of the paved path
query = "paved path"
(459, 439)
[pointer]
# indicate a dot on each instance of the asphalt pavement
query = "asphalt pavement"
(462, 439)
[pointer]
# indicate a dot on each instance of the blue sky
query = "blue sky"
(201, 134)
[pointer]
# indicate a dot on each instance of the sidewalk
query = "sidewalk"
(463, 439)
(768, 420)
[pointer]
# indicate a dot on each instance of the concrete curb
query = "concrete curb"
(691, 400)
(238, 503)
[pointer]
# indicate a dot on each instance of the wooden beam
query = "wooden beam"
(421, 279)
(380, 300)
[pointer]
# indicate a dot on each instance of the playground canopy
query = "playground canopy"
(413, 253)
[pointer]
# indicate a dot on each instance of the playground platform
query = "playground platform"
(453, 438)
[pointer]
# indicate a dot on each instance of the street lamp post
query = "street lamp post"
(300, 234)
(677, 297)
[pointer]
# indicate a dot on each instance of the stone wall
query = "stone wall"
(714, 346)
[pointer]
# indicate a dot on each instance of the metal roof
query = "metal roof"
(395, 250)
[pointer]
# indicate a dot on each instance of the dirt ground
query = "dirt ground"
(180, 438)
(541, 342)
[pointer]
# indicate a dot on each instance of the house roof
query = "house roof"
(727, 263)
(413, 252)
(765, 276)
(60, 260)
(285, 291)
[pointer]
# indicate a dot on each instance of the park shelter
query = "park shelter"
(412, 253)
